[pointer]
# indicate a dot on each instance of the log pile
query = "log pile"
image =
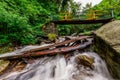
(59, 47)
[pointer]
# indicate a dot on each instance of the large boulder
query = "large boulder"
(107, 45)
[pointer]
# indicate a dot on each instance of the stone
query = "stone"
(85, 61)
(3, 65)
(107, 45)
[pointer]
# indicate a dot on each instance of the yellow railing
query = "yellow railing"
(94, 14)
(65, 16)
(90, 15)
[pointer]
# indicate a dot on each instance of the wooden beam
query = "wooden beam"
(83, 21)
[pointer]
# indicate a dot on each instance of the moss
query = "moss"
(52, 36)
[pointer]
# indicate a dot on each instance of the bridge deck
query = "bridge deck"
(83, 21)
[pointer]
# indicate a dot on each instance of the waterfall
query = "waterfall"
(58, 67)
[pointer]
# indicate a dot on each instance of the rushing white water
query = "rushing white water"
(59, 68)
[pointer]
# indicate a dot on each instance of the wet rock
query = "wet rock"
(107, 45)
(85, 61)
(19, 66)
(3, 65)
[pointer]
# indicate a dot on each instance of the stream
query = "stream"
(58, 67)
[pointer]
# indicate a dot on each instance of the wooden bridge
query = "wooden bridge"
(91, 17)
(83, 21)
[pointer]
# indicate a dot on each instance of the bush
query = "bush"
(14, 29)
(64, 29)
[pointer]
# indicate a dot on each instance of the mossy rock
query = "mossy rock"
(52, 36)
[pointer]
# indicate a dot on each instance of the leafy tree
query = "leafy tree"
(108, 5)
(21, 21)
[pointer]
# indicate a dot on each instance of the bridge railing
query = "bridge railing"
(89, 15)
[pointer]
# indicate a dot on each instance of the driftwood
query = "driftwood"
(49, 52)
(46, 51)
(59, 43)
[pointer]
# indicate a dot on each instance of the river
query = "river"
(58, 67)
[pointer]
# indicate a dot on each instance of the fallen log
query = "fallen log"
(48, 52)
(60, 43)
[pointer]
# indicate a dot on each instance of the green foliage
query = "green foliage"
(106, 5)
(64, 29)
(83, 28)
(21, 20)
(14, 29)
